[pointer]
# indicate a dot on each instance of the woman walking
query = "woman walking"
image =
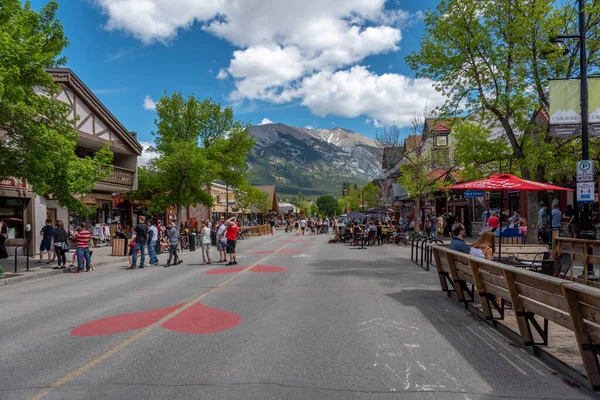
(205, 236)
(173, 236)
(61, 245)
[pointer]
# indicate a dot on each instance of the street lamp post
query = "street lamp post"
(587, 232)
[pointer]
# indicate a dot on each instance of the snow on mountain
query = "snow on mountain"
(314, 161)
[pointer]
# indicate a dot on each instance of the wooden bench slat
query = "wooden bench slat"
(542, 296)
(542, 282)
(496, 280)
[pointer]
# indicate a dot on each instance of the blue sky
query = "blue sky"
(311, 63)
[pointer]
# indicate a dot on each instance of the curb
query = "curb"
(23, 278)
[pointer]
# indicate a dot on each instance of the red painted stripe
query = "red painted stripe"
(200, 319)
(122, 323)
(267, 269)
(223, 271)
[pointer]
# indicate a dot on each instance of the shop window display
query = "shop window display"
(12, 211)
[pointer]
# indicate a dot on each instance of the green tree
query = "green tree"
(197, 143)
(313, 209)
(264, 203)
(245, 197)
(37, 138)
(493, 59)
(148, 188)
(327, 206)
(370, 194)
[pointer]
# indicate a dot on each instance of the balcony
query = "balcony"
(121, 180)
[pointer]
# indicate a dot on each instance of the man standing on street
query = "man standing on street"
(231, 234)
(173, 238)
(47, 233)
(302, 225)
(140, 237)
(222, 240)
(152, 238)
(83, 237)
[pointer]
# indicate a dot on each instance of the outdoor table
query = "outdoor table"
(362, 241)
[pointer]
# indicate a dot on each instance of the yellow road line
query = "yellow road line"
(138, 335)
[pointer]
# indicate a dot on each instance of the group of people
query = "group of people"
(310, 225)
(147, 234)
(55, 245)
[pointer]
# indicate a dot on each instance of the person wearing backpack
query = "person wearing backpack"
(61, 245)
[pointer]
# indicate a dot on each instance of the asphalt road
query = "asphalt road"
(337, 323)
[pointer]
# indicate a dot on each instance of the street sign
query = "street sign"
(585, 171)
(585, 192)
(471, 194)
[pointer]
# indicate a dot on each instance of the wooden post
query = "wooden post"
(438, 263)
(571, 269)
(585, 263)
(485, 305)
(455, 278)
(586, 349)
(518, 308)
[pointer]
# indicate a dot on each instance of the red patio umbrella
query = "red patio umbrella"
(502, 182)
(505, 181)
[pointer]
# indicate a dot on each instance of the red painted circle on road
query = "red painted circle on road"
(267, 269)
(223, 271)
(122, 323)
(200, 319)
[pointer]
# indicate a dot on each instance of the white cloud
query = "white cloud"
(149, 104)
(222, 74)
(308, 127)
(387, 99)
(147, 155)
(266, 121)
(290, 50)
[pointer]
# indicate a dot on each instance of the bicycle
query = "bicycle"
(184, 242)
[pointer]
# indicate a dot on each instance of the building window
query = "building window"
(11, 211)
(441, 141)
(83, 152)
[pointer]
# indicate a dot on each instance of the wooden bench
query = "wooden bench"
(572, 305)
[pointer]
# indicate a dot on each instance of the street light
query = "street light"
(587, 232)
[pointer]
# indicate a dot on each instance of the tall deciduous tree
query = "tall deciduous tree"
(327, 205)
(264, 203)
(37, 138)
(197, 142)
(493, 58)
(245, 197)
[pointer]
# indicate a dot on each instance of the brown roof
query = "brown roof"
(391, 156)
(433, 123)
(412, 142)
(68, 77)
(270, 190)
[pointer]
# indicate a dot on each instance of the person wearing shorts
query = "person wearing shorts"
(231, 235)
(47, 234)
(222, 240)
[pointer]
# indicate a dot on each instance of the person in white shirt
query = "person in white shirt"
(221, 240)
(303, 225)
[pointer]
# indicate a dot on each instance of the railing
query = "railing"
(257, 230)
(573, 306)
(120, 176)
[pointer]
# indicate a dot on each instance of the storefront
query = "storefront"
(17, 211)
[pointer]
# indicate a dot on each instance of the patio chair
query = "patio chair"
(562, 265)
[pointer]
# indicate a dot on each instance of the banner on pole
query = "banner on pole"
(565, 107)
(594, 105)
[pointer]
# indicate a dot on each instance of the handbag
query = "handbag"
(66, 247)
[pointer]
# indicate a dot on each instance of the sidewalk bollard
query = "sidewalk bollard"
(27, 254)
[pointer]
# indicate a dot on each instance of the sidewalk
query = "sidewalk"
(101, 257)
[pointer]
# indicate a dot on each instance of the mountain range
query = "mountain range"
(312, 161)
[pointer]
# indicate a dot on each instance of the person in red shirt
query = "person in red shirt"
(231, 235)
(494, 222)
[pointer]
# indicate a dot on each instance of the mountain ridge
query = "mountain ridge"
(313, 161)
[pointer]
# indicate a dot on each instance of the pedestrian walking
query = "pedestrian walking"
(231, 234)
(205, 237)
(434, 226)
(47, 233)
(83, 237)
(173, 239)
(140, 238)
(153, 237)
(222, 241)
(61, 245)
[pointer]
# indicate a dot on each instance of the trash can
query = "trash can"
(213, 238)
(192, 241)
